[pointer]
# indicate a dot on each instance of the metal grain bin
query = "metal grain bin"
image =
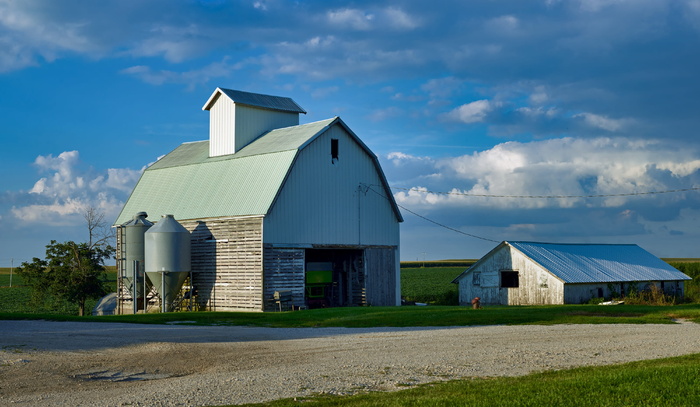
(134, 231)
(168, 258)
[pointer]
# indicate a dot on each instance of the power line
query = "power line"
(550, 196)
(369, 187)
(447, 227)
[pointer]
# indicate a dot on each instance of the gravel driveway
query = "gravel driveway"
(109, 364)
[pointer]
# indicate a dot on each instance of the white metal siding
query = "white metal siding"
(323, 202)
(252, 122)
(232, 126)
(222, 122)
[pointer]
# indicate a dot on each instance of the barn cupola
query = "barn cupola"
(236, 118)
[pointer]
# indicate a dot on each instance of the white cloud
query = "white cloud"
(506, 24)
(53, 214)
(27, 36)
(174, 43)
(376, 19)
(192, 78)
(352, 18)
(260, 5)
(400, 19)
(473, 112)
(603, 122)
(557, 167)
(60, 197)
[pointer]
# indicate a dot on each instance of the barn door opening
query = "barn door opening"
(334, 278)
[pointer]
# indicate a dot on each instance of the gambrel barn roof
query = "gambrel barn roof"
(190, 184)
(594, 263)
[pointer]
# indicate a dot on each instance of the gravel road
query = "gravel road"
(106, 364)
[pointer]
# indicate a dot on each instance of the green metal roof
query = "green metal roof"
(189, 184)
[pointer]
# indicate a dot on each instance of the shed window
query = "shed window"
(476, 278)
(509, 279)
(334, 150)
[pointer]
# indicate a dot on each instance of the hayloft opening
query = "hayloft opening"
(334, 150)
(334, 278)
(509, 279)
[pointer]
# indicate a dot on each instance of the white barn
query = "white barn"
(530, 273)
(274, 205)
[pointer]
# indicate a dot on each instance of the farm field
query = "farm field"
(430, 285)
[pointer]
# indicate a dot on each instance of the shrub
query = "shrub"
(651, 296)
(692, 287)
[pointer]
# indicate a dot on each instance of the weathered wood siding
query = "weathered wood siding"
(536, 285)
(380, 276)
(284, 271)
(227, 263)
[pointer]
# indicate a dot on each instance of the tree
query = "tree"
(99, 232)
(72, 271)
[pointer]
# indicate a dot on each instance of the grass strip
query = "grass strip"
(409, 316)
(661, 382)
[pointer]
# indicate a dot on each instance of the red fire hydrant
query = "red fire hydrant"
(476, 303)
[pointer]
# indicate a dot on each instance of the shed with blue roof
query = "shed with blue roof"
(532, 273)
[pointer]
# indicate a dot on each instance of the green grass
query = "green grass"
(361, 317)
(662, 382)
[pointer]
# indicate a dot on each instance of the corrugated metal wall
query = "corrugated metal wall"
(232, 126)
(252, 122)
(323, 201)
(222, 124)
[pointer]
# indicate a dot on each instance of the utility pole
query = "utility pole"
(12, 265)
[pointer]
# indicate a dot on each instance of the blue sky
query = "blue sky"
(474, 109)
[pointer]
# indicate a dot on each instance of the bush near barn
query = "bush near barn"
(691, 267)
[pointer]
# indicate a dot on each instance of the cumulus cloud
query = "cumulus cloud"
(61, 196)
(529, 175)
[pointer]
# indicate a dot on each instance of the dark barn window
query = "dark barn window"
(509, 279)
(334, 150)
